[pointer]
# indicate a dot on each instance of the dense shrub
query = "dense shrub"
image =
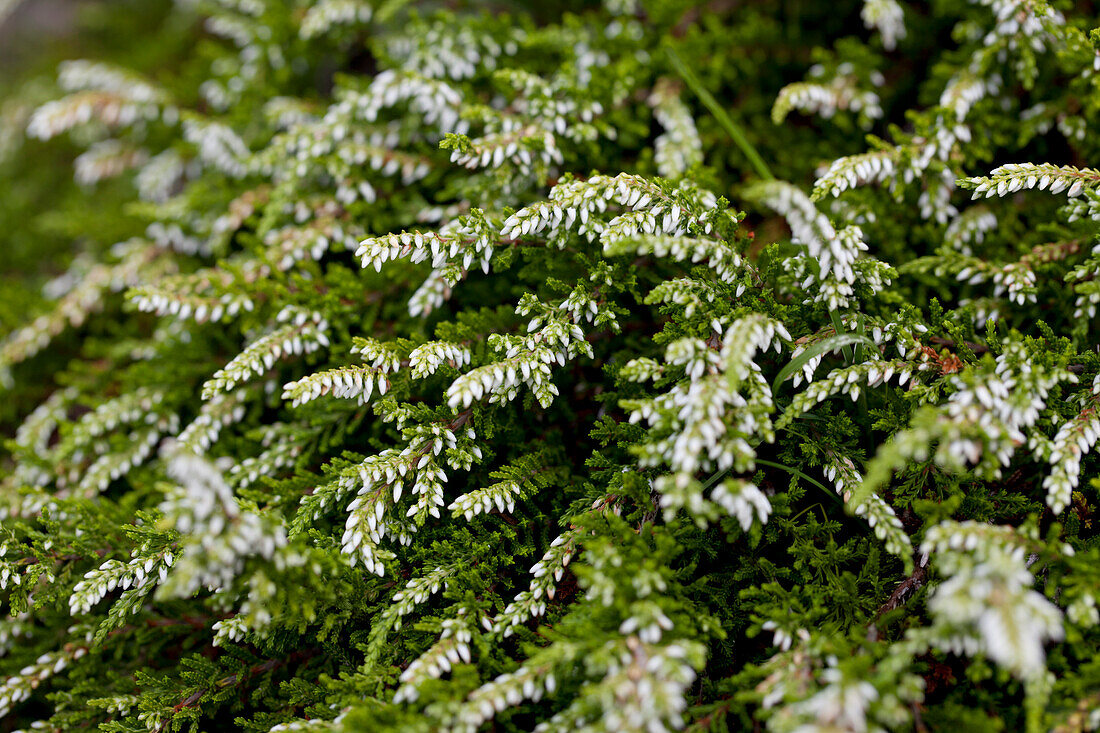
(403, 367)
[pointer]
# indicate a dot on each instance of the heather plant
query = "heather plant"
(638, 366)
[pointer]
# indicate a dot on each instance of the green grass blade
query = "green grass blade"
(720, 114)
(821, 347)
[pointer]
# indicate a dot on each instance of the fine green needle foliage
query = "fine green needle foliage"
(629, 366)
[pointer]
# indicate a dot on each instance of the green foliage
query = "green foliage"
(385, 366)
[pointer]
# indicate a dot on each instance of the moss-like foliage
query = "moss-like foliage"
(389, 366)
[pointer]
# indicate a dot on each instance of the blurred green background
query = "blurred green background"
(46, 218)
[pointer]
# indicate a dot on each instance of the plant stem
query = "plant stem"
(720, 114)
(804, 477)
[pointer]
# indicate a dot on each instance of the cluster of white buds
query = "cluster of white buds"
(988, 604)
(842, 704)
(381, 480)
(835, 285)
(1034, 23)
(149, 418)
(367, 524)
(13, 628)
(102, 93)
(811, 690)
(11, 569)
(347, 481)
(983, 309)
(650, 210)
(581, 305)
(453, 647)
(647, 620)
(552, 103)
(502, 495)
(114, 465)
(443, 51)
(808, 226)
(783, 637)
(310, 241)
(231, 26)
(678, 148)
(302, 332)
(904, 337)
(528, 682)
(114, 574)
(172, 236)
(435, 290)
(719, 255)
(710, 420)
(1086, 287)
(742, 500)
(935, 198)
(1004, 403)
(220, 411)
(695, 296)
(882, 166)
(519, 144)
(435, 102)
(34, 433)
(1014, 280)
(79, 75)
(79, 294)
(118, 704)
(835, 252)
(1083, 611)
(159, 178)
(17, 688)
(282, 443)
(1014, 177)
(467, 240)
(1075, 438)
(453, 250)
(841, 93)
(142, 406)
(232, 629)
(386, 358)
(856, 170)
(416, 592)
(969, 228)
(256, 613)
(888, 18)
(259, 51)
(553, 338)
(1085, 207)
(545, 574)
(238, 211)
(286, 112)
(336, 149)
(350, 382)
(376, 155)
(426, 359)
(849, 380)
(644, 687)
(321, 17)
(218, 145)
(879, 515)
(218, 537)
(966, 89)
(982, 424)
(107, 159)
(184, 298)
